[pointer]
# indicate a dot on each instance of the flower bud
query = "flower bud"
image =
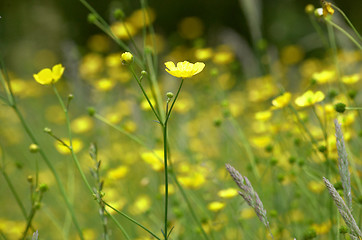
(127, 58)
(91, 111)
(33, 148)
(118, 14)
(47, 130)
(309, 8)
(340, 107)
(92, 18)
(169, 95)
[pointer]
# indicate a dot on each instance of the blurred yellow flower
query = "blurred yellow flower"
(282, 100)
(263, 115)
(154, 158)
(324, 76)
(228, 193)
(82, 124)
(171, 189)
(309, 98)
(77, 145)
(316, 186)
(47, 76)
(191, 27)
(141, 205)
(123, 30)
(203, 54)
(247, 213)
(117, 173)
(215, 206)
(184, 69)
(351, 79)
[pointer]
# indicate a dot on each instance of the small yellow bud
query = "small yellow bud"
(127, 58)
(309, 8)
(33, 148)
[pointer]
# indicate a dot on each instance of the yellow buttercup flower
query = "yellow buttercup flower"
(215, 206)
(309, 98)
(282, 100)
(48, 76)
(184, 69)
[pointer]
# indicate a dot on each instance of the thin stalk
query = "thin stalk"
(13, 191)
(188, 203)
(144, 94)
(166, 174)
(348, 21)
(52, 169)
(303, 125)
(118, 225)
(118, 128)
(318, 29)
(74, 156)
(104, 26)
(353, 108)
(140, 142)
(165, 155)
(345, 33)
(247, 147)
(13, 105)
(132, 220)
(154, 84)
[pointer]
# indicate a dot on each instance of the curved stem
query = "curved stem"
(132, 220)
(348, 21)
(345, 33)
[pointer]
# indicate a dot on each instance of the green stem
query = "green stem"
(52, 169)
(314, 142)
(132, 220)
(140, 142)
(118, 225)
(345, 33)
(104, 26)
(74, 156)
(188, 203)
(144, 94)
(13, 191)
(348, 21)
(353, 108)
(247, 147)
(154, 84)
(173, 103)
(166, 175)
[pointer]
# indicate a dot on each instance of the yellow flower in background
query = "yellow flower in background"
(228, 193)
(215, 206)
(117, 173)
(184, 69)
(171, 189)
(309, 98)
(324, 76)
(49, 76)
(316, 186)
(247, 213)
(351, 79)
(154, 159)
(141, 205)
(282, 100)
(77, 145)
(263, 115)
